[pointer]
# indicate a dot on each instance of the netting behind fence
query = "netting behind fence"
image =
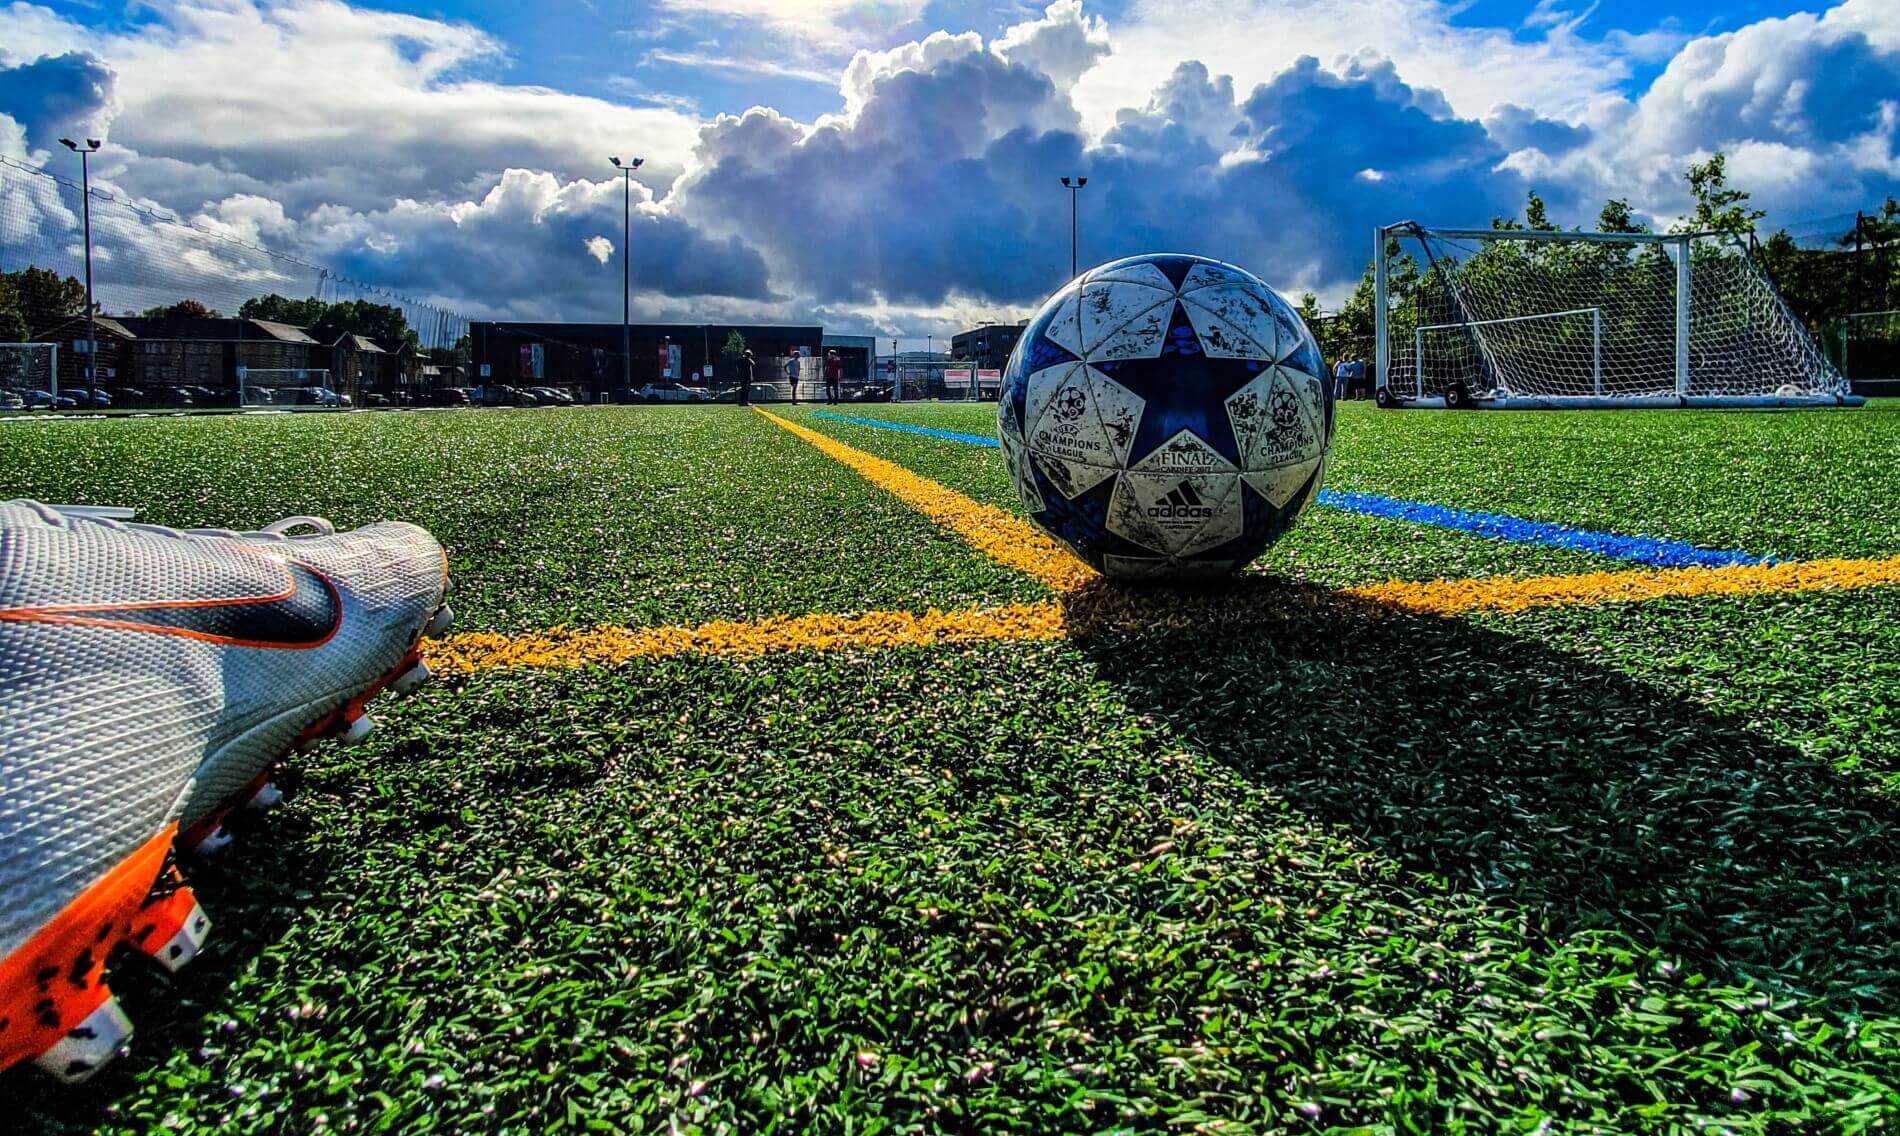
(1572, 316)
(1867, 346)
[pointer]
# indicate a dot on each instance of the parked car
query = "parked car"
(259, 396)
(173, 397)
(47, 400)
(308, 396)
(674, 392)
(553, 396)
(124, 397)
(100, 399)
(445, 396)
(10, 400)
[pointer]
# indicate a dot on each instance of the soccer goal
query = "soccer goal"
(29, 367)
(1535, 318)
(261, 386)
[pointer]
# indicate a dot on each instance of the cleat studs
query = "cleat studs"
(439, 623)
(411, 680)
(185, 944)
(358, 729)
(212, 842)
(267, 796)
(88, 1045)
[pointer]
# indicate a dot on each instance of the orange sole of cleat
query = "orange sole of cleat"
(54, 982)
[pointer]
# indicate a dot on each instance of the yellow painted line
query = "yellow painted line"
(1108, 609)
(1002, 536)
(1454, 597)
(606, 646)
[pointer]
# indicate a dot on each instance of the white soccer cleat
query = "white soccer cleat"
(151, 678)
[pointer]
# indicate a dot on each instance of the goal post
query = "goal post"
(29, 367)
(1547, 318)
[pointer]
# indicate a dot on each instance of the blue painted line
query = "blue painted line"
(928, 431)
(1641, 549)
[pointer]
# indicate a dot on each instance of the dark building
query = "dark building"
(188, 352)
(584, 358)
(989, 345)
(116, 349)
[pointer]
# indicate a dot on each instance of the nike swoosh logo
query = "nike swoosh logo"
(306, 613)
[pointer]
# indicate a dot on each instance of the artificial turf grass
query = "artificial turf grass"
(417, 946)
(1328, 546)
(1786, 484)
(624, 515)
(999, 888)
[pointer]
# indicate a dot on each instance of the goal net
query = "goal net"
(267, 386)
(1513, 317)
(29, 367)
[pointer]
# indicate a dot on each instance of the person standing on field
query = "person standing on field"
(791, 376)
(834, 375)
(746, 363)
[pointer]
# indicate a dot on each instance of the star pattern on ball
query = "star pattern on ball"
(1184, 388)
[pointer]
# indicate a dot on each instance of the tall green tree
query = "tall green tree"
(1719, 208)
(384, 323)
(41, 294)
(283, 309)
(183, 309)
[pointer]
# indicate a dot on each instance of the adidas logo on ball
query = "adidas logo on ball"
(1181, 503)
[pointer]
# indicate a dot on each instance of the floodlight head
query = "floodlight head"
(1080, 182)
(615, 161)
(69, 144)
(92, 143)
(636, 163)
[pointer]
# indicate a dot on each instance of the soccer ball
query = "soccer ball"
(1165, 416)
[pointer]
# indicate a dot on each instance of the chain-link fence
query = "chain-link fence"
(184, 306)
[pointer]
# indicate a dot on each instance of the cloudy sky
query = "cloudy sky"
(891, 165)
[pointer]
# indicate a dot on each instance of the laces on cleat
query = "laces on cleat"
(97, 1039)
(411, 680)
(264, 798)
(288, 525)
(358, 729)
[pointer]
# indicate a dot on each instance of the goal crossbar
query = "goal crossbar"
(1567, 235)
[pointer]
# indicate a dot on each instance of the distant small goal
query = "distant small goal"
(29, 367)
(1553, 319)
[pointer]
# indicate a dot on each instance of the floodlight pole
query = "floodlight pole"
(1074, 186)
(85, 192)
(626, 269)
